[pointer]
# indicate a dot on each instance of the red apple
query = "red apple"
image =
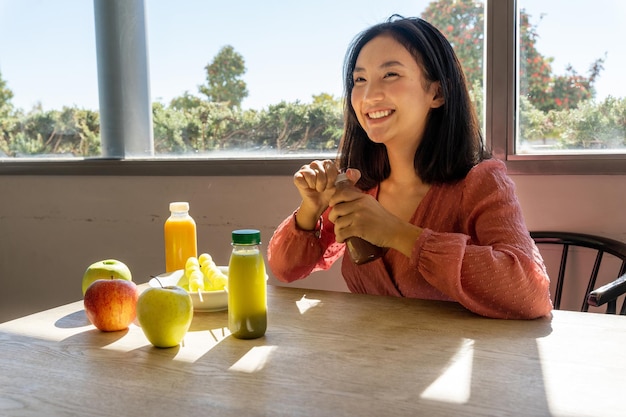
(111, 304)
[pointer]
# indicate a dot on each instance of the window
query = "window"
(562, 108)
(571, 95)
(283, 72)
(282, 63)
(48, 77)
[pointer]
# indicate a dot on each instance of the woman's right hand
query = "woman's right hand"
(316, 184)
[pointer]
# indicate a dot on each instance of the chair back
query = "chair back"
(602, 245)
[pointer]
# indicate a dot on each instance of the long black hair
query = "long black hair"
(452, 142)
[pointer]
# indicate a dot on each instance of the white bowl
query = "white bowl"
(211, 300)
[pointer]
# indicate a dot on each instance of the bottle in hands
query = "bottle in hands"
(361, 251)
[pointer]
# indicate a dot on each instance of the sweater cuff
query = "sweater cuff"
(418, 245)
(317, 232)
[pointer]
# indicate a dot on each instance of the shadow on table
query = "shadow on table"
(404, 356)
(73, 320)
(372, 362)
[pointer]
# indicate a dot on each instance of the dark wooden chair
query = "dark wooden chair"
(607, 294)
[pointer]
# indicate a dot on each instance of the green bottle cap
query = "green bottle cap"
(246, 237)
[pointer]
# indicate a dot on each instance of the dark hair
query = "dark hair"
(452, 142)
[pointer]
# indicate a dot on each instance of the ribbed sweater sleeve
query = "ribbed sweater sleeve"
(491, 266)
(294, 253)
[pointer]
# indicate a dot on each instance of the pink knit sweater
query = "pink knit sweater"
(475, 250)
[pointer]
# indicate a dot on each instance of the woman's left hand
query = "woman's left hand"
(355, 213)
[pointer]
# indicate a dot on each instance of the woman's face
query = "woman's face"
(391, 97)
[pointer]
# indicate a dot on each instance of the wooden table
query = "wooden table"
(324, 354)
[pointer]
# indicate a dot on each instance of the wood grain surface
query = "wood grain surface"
(324, 354)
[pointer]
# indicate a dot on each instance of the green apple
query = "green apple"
(106, 269)
(110, 304)
(165, 314)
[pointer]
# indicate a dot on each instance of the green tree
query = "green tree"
(185, 102)
(462, 22)
(546, 90)
(535, 124)
(70, 131)
(8, 120)
(297, 126)
(168, 127)
(223, 74)
(327, 112)
(5, 96)
(190, 125)
(592, 125)
(535, 69)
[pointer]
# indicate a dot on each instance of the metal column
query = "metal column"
(123, 79)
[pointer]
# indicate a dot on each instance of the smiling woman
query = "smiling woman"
(428, 191)
(377, 75)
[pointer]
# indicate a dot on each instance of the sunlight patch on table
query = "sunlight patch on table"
(66, 324)
(304, 304)
(124, 342)
(196, 344)
(454, 383)
(254, 360)
(569, 385)
(52, 335)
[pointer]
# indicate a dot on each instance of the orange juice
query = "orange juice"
(180, 237)
(247, 289)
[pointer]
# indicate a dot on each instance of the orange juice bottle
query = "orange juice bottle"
(247, 286)
(180, 237)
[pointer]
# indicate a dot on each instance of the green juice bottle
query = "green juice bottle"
(247, 287)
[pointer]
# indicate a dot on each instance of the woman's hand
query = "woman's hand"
(316, 184)
(355, 213)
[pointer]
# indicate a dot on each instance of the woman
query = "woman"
(447, 213)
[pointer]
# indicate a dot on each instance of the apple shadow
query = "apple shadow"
(93, 338)
(73, 320)
(152, 353)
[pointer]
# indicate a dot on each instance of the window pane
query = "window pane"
(572, 98)
(288, 57)
(48, 79)
(282, 62)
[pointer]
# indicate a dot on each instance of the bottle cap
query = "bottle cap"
(179, 206)
(341, 177)
(246, 237)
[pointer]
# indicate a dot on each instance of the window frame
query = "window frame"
(500, 91)
(500, 110)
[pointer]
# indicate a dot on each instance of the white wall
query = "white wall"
(53, 227)
(588, 204)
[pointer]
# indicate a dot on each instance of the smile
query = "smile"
(379, 114)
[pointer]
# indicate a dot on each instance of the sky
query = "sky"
(292, 49)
